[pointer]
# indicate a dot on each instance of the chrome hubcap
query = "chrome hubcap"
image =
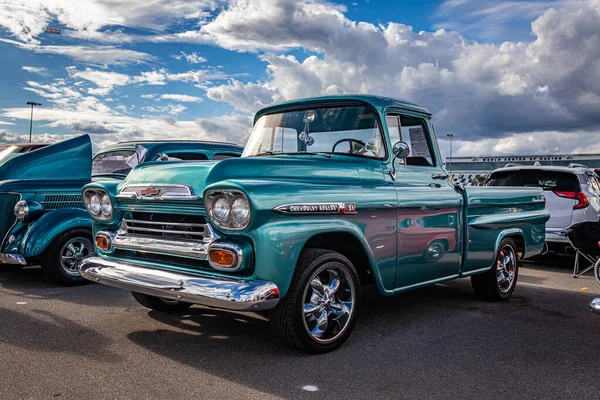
(328, 303)
(72, 253)
(506, 265)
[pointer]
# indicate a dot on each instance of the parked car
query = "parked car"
(572, 196)
(111, 162)
(43, 219)
(316, 207)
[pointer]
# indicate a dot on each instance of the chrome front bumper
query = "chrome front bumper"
(12, 259)
(213, 291)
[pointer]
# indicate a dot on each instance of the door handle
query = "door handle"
(439, 176)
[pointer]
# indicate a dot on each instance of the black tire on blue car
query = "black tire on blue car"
(61, 260)
(319, 311)
(500, 281)
(160, 304)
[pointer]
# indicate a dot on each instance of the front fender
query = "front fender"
(278, 246)
(52, 224)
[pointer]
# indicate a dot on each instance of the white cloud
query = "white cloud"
(475, 90)
(192, 58)
(149, 96)
(36, 70)
(94, 55)
(184, 98)
(27, 19)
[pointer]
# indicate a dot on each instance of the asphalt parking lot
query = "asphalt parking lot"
(441, 342)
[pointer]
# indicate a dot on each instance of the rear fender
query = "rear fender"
(43, 231)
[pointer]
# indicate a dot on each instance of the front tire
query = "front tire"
(61, 260)
(160, 304)
(319, 311)
(499, 282)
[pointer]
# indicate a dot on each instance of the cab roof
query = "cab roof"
(378, 102)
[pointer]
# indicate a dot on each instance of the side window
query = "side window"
(223, 156)
(412, 131)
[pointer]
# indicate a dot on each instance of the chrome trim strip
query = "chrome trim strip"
(133, 228)
(210, 291)
(189, 249)
(127, 194)
(12, 259)
(343, 208)
(142, 222)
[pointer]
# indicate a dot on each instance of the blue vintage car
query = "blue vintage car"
(42, 216)
(330, 194)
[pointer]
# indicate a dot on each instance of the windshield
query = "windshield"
(114, 162)
(340, 130)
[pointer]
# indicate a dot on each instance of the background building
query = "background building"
(472, 171)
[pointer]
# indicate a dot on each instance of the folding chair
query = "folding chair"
(585, 239)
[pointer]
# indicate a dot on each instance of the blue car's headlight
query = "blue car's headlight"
(28, 210)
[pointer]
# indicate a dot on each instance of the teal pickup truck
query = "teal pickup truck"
(43, 219)
(330, 194)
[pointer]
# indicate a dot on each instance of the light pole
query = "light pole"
(451, 136)
(31, 103)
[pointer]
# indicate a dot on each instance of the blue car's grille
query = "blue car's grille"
(57, 201)
(7, 215)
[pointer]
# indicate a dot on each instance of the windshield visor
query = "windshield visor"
(351, 131)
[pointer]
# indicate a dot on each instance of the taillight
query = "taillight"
(582, 200)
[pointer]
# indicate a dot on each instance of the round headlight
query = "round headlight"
(21, 210)
(220, 209)
(240, 209)
(95, 204)
(106, 206)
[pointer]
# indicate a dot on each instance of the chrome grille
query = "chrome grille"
(7, 215)
(57, 201)
(169, 235)
(178, 227)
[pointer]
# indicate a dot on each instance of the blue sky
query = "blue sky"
(500, 75)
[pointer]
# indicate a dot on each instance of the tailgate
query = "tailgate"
(560, 209)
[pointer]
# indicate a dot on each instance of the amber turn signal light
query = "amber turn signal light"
(102, 242)
(223, 258)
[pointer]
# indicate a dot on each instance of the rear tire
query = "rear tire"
(63, 256)
(319, 311)
(500, 281)
(160, 304)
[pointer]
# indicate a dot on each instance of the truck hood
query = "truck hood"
(314, 169)
(68, 160)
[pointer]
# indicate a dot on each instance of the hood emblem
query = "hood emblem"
(149, 191)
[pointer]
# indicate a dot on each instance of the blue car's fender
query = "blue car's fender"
(43, 231)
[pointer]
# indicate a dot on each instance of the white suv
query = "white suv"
(572, 196)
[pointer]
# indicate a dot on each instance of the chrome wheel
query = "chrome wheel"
(73, 252)
(506, 265)
(329, 303)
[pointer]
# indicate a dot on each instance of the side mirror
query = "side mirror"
(400, 150)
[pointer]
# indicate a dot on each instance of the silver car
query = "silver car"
(572, 196)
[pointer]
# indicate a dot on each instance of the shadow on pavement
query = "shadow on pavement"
(437, 342)
(30, 283)
(49, 333)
